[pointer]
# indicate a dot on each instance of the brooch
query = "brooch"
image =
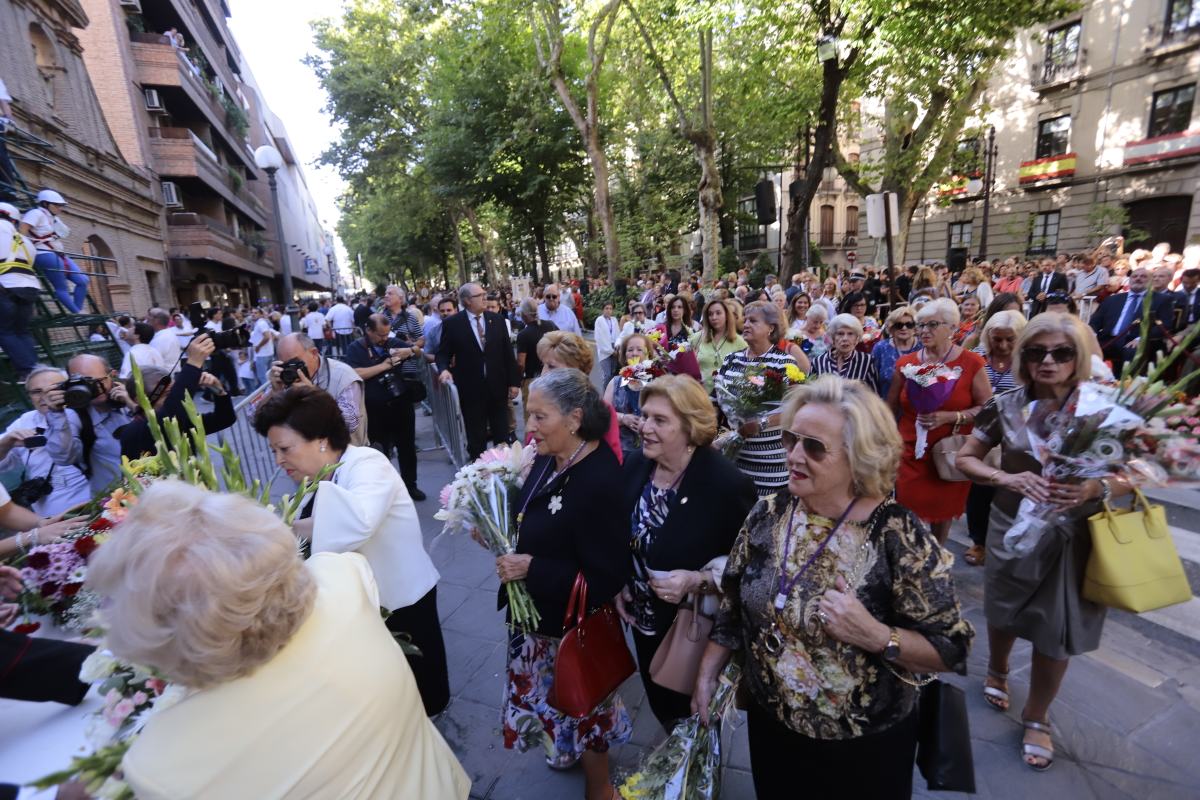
(555, 504)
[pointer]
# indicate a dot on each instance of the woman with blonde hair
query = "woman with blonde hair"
(718, 337)
(558, 349)
(273, 653)
(1035, 595)
(900, 340)
(835, 595)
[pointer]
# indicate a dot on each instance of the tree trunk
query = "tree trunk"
(485, 249)
(543, 252)
(463, 277)
(608, 223)
(710, 173)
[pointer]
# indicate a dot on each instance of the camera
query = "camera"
(222, 340)
(34, 441)
(392, 383)
(289, 371)
(80, 391)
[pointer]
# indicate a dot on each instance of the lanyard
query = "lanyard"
(787, 584)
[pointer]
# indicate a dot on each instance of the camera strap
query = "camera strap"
(87, 435)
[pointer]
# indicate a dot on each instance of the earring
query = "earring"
(322, 448)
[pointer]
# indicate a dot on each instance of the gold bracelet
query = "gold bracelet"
(992, 478)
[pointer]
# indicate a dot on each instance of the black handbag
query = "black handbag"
(944, 739)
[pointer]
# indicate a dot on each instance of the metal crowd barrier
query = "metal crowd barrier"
(447, 417)
(253, 450)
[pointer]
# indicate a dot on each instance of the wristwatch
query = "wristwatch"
(764, 422)
(891, 651)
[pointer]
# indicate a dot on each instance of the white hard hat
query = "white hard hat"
(9, 210)
(51, 196)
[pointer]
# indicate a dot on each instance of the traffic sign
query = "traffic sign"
(851, 256)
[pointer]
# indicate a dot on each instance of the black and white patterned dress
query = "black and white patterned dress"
(762, 457)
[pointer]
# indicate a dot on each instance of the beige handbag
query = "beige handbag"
(945, 454)
(677, 660)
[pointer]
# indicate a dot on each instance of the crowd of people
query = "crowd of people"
(818, 554)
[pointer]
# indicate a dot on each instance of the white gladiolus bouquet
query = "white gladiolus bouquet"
(478, 502)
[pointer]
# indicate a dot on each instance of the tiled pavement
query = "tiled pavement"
(1127, 720)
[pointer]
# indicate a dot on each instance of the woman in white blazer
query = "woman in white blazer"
(362, 507)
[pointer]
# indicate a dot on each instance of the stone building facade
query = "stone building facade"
(1095, 134)
(62, 141)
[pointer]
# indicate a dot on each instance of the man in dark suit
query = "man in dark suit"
(475, 354)
(1117, 322)
(1045, 283)
(1188, 298)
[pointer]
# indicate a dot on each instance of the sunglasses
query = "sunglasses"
(813, 448)
(551, 297)
(1036, 355)
(906, 326)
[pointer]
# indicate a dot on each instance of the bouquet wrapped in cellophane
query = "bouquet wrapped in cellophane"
(929, 387)
(746, 396)
(1139, 427)
(687, 766)
(478, 502)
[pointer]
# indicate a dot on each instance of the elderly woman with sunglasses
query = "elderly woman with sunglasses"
(836, 595)
(919, 487)
(901, 340)
(1036, 595)
(638, 322)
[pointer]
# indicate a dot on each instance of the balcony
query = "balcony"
(198, 238)
(1051, 74)
(180, 153)
(1049, 170)
(1162, 148)
(159, 64)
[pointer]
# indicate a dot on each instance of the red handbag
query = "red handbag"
(593, 659)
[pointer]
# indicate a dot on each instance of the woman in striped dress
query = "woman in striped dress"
(996, 344)
(762, 457)
(844, 359)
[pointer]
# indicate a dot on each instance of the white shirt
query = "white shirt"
(4, 95)
(262, 330)
(285, 324)
(70, 487)
(366, 509)
(144, 355)
(9, 251)
(562, 316)
(606, 336)
(314, 325)
(341, 318)
(47, 230)
(167, 345)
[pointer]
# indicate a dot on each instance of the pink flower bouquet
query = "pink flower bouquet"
(929, 387)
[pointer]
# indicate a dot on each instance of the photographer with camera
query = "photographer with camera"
(300, 362)
(84, 418)
(50, 483)
(166, 393)
(379, 359)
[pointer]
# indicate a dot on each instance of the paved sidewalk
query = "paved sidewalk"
(1127, 720)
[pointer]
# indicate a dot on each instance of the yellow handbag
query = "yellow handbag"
(1134, 565)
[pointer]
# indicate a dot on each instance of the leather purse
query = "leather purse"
(593, 659)
(1133, 565)
(677, 660)
(944, 739)
(945, 454)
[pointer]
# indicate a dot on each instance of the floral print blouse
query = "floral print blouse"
(814, 684)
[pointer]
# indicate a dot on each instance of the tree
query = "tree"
(550, 41)
(930, 69)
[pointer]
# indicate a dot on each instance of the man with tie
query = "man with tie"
(1117, 322)
(1048, 281)
(607, 331)
(1188, 297)
(474, 353)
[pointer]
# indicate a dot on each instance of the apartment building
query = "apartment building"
(179, 100)
(61, 140)
(1095, 134)
(833, 221)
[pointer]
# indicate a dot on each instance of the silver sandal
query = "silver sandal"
(1036, 750)
(995, 696)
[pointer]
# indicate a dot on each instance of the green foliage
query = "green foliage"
(764, 265)
(594, 306)
(1106, 219)
(235, 115)
(136, 23)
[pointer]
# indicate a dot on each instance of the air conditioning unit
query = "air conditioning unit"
(132, 5)
(153, 100)
(171, 194)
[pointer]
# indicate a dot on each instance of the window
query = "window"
(826, 226)
(852, 221)
(965, 160)
(46, 60)
(1062, 46)
(1183, 18)
(1054, 135)
(1043, 234)
(960, 235)
(1171, 111)
(751, 235)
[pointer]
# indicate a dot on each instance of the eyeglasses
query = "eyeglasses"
(931, 325)
(477, 296)
(640, 311)
(1035, 354)
(907, 326)
(813, 448)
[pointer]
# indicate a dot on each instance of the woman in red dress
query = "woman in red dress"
(918, 487)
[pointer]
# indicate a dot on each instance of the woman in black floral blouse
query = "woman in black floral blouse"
(837, 597)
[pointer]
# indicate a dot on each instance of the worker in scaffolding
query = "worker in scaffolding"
(42, 224)
(19, 288)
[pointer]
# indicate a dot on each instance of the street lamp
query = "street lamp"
(985, 184)
(270, 161)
